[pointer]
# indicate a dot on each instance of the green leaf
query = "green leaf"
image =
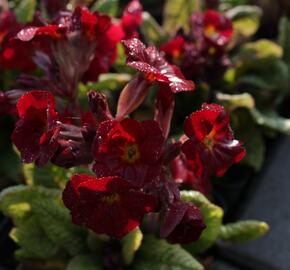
(245, 127)
(151, 30)
(39, 176)
(109, 7)
(232, 102)
(83, 262)
(96, 242)
(109, 81)
(25, 10)
(177, 14)
(131, 243)
(55, 221)
(16, 202)
(271, 120)
(246, 21)
(251, 135)
(212, 215)
(284, 38)
(50, 176)
(10, 164)
(265, 79)
(258, 50)
(243, 231)
(33, 241)
(157, 254)
(195, 197)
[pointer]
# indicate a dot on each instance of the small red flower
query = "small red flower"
(211, 145)
(182, 171)
(174, 49)
(217, 28)
(129, 149)
(13, 54)
(154, 67)
(108, 205)
(132, 18)
(190, 227)
(36, 132)
(89, 24)
(81, 39)
(182, 223)
(105, 53)
(164, 107)
(53, 7)
(53, 31)
(5, 106)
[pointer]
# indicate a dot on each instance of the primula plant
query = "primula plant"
(115, 174)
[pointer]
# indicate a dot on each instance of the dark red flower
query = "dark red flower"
(53, 7)
(129, 149)
(53, 31)
(82, 40)
(154, 67)
(182, 223)
(89, 24)
(105, 53)
(164, 107)
(99, 106)
(182, 171)
(190, 226)
(174, 49)
(36, 132)
(13, 54)
(132, 18)
(5, 106)
(217, 28)
(108, 205)
(211, 145)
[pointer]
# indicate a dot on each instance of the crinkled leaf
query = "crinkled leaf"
(245, 127)
(95, 242)
(251, 135)
(25, 10)
(212, 215)
(232, 102)
(33, 241)
(266, 80)
(131, 243)
(39, 176)
(258, 50)
(151, 30)
(177, 14)
(284, 38)
(246, 21)
(16, 202)
(157, 254)
(108, 81)
(271, 120)
(243, 231)
(109, 7)
(50, 176)
(55, 221)
(83, 262)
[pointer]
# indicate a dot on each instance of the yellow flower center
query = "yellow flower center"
(209, 140)
(210, 30)
(111, 199)
(176, 55)
(211, 51)
(131, 153)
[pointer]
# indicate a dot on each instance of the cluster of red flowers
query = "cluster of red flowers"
(137, 169)
(202, 54)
